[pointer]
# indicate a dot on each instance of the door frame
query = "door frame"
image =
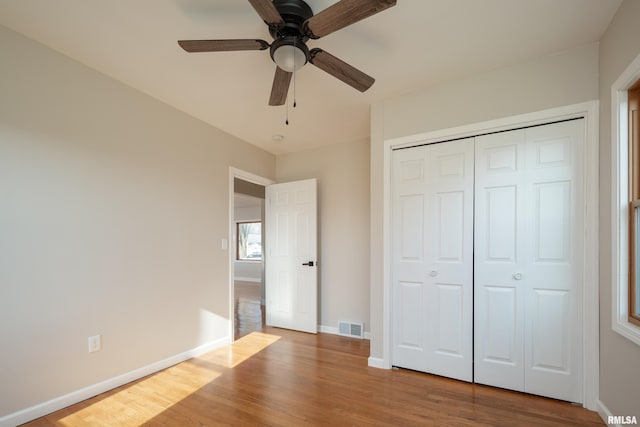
(254, 179)
(589, 112)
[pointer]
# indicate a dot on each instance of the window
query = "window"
(625, 213)
(633, 99)
(249, 241)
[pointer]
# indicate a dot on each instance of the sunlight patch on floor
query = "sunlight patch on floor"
(143, 400)
(241, 350)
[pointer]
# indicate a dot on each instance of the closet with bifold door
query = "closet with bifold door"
(487, 234)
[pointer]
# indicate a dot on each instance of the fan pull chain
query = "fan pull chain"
(294, 87)
(286, 121)
(294, 74)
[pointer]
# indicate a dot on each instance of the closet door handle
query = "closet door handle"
(517, 276)
(433, 273)
(310, 263)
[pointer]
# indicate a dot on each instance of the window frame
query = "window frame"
(620, 215)
(633, 150)
(238, 224)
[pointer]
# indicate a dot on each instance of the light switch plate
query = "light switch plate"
(95, 343)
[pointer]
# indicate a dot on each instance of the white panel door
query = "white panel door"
(291, 256)
(553, 327)
(528, 283)
(433, 259)
(499, 295)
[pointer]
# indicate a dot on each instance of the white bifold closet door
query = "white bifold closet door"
(528, 271)
(433, 259)
(487, 238)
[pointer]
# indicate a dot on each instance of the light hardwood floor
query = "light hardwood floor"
(284, 378)
(249, 313)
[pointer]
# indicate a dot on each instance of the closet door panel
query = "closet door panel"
(449, 320)
(409, 252)
(500, 223)
(411, 218)
(449, 227)
(499, 258)
(553, 345)
(450, 255)
(528, 203)
(433, 223)
(410, 316)
(499, 347)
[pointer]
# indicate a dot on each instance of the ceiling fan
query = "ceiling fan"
(291, 23)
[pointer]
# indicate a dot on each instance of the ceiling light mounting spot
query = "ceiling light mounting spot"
(294, 14)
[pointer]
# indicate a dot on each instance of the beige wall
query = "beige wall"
(112, 207)
(112, 210)
(619, 357)
(557, 80)
(342, 171)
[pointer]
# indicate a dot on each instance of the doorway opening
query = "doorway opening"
(246, 253)
(248, 280)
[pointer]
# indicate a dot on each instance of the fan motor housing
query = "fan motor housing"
(294, 13)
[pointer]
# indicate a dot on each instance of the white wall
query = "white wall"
(112, 209)
(561, 79)
(619, 357)
(248, 271)
(342, 171)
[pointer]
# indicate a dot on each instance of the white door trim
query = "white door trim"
(255, 179)
(586, 110)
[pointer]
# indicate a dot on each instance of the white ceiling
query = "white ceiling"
(414, 45)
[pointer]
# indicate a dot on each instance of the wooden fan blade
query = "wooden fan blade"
(267, 12)
(341, 70)
(342, 14)
(280, 87)
(222, 45)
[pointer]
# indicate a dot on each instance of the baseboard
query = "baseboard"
(376, 362)
(42, 409)
(624, 419)
(334, 331)
(247, 279)
(327, 330)
(603, 411)
(617, 421)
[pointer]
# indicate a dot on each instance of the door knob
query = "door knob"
(433, 273)
(310, 263)
(517, 276)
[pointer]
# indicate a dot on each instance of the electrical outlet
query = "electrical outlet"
(95, 343)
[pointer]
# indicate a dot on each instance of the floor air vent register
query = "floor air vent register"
(350, 329)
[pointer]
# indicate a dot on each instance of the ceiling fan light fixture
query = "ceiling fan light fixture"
(291, 24)
(289, 54)
(289, 58)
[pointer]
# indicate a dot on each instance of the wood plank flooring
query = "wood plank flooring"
(284, 378)
(249, 313)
